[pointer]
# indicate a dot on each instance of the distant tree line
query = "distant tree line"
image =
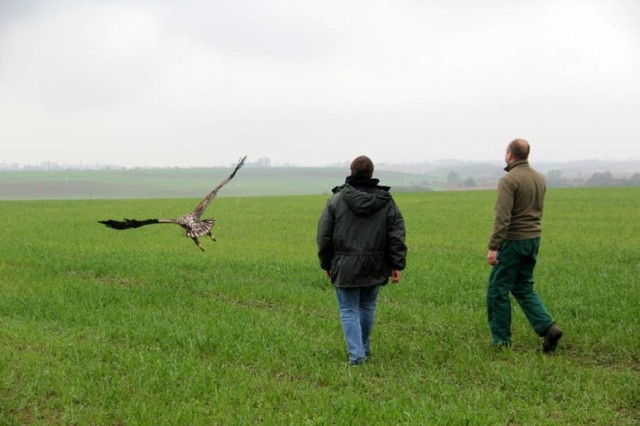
(598, 179)
(554, 178)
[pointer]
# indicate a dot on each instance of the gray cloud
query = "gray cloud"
(199, 83)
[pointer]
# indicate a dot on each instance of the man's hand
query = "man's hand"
(395, 276)
(492, 257)
(328, 272)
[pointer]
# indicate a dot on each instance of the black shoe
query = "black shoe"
(551, 337)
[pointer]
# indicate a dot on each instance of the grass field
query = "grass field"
(139, 327)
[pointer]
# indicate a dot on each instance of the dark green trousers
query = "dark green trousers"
(514, 274)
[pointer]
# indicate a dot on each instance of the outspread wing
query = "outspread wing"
(129, 223)
(207, 199)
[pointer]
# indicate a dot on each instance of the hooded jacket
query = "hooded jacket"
(361, 235)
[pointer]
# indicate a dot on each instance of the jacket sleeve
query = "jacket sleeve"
(396, 247)
(502, 213)
(325, 236)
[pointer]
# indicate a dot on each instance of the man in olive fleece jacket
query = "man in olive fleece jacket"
(361, 243)
(513, 250)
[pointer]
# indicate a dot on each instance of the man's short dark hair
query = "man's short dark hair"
(519, 148)
(362, 167)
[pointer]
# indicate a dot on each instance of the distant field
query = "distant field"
(183, 183)
(268, 181)
(109, 327)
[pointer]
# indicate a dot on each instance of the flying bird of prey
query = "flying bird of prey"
(191, 222)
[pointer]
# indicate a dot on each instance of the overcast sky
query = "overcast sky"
(200, 83)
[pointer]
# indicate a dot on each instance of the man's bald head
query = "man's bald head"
(519, 149)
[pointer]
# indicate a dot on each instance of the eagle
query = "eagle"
(194, 226)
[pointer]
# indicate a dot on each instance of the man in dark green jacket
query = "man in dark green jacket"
(513, 250)
(361, 243)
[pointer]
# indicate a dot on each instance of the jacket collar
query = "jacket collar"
(511, 166)
(361, 183)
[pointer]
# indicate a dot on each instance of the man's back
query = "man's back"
(519, 205)
(526, 215)
(361, 220)
(361, 237)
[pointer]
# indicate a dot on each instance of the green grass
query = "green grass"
(139, 327)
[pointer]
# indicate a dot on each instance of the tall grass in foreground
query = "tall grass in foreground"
(139, 327)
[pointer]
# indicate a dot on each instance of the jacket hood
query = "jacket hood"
(364, 197)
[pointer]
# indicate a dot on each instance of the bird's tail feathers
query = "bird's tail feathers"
(199, 229)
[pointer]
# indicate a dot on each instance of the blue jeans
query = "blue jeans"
(357, 311)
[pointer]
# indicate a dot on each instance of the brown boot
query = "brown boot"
(551, 337)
